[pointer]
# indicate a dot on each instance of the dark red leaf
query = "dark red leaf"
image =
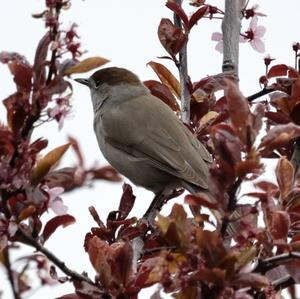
(285, 177)
(6, 143)
(129, 233)
(171, 37)
(38, 145)
(6, 57)
(162, 92)
(121, 259)
(22, 75)
(266, 186)
(196, 16)
(65, 178)
(257, 118)
(240, 113)
(144, 272)
(177, 9)
(227, 145)
(214, 83)
(278, 70)
(18, 109)
(39, 59)
(279, 136)
(277, 117)
(57, 86)
(75, 145)
(279, 226)
(243, 222)
(199, 200)
(221, 105)
(295, 94)
(96, 217)
(54, 223)
(107, 173)
(126, 202)
(211, 247)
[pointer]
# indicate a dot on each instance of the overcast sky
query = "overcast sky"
(125, 32)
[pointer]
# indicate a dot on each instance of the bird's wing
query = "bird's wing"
(154, 132)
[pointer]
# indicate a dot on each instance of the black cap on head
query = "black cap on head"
(114, 76)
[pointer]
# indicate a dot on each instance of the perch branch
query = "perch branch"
(60, 264)
(269, 263)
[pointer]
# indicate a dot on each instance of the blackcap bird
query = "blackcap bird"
(142, 138)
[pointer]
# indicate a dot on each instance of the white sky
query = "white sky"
(126, 33)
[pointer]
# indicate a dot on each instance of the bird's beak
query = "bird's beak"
(83, 81)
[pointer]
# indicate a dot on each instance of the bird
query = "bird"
(143, 139)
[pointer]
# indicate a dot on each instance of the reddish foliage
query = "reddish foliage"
(223, 254)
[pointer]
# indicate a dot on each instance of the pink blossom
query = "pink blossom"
(218, 37)
(55, 202)
(254, 35)
(59, 113)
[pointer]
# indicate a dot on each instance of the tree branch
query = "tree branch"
(7, 264)
(269, 263)
(283, 283)
(231, 27)
(183, 76)
(260, 94)
(279, 284)
(60, 264)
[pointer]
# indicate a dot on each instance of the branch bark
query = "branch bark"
(10, 274)
(60, 264)
(182, 66)
(259, 94)
(295, 160)
(231, 27)
(269, 263)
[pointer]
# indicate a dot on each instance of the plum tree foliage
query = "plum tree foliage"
(223, 254)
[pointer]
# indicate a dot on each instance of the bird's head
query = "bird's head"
(113, 83)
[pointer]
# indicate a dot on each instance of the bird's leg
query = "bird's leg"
(154, 207)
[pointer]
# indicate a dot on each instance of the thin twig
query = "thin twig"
(60, 264)
(269, 263)
(52, 66)
(283, 283)
(279, 284)
(183, 76)
(260, 94)
(7, 264)
(231, 205)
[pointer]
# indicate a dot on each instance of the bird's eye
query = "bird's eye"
(97, 84)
